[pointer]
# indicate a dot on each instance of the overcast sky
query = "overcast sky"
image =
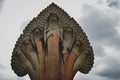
(100, 19)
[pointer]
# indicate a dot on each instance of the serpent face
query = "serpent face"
(52, 27)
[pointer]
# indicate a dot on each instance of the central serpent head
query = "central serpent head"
(52, 27)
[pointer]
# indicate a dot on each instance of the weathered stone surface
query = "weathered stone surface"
(52, 47)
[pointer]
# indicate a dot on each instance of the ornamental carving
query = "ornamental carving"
(53, 46)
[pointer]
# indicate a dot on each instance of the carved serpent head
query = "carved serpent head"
(52, 47)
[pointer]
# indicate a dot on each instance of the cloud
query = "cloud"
(113, 3)
(24, 24)
(99, 50)
(6, 73)
(5, 76)
(112, 71)
(1, 4)
(100, 26)
(2, 67)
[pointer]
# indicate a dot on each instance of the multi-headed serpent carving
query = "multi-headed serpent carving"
(52, 47)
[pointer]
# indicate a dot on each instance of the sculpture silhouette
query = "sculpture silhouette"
(52, 47)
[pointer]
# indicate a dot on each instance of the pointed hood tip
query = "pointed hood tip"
(53, 3)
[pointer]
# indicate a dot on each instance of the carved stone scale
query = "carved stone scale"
(52, 47)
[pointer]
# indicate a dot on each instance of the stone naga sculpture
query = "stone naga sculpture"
(52, 47)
